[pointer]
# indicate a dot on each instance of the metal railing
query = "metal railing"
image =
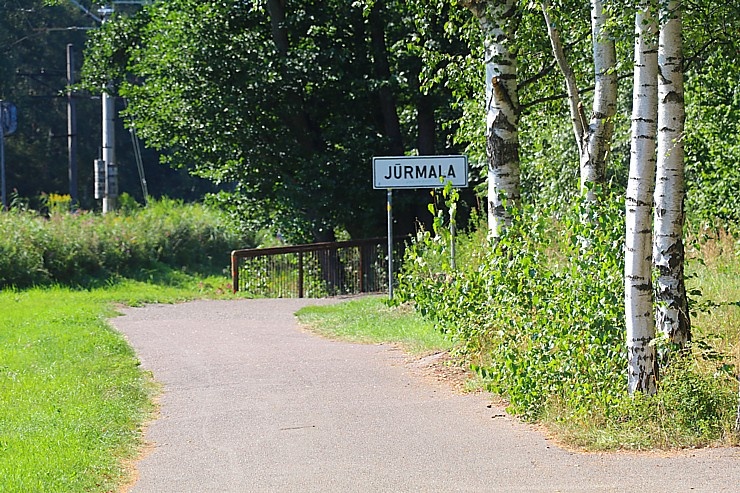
(314, 270)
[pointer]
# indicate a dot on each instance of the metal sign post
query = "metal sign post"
(415, 172)
(390, 243)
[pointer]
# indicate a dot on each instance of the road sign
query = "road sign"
(420, 171)
(415, 172)
(8, 117)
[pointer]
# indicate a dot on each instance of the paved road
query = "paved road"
(253, 404)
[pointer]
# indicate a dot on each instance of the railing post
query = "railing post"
(361, 270)
(234, 272)
(300, 274)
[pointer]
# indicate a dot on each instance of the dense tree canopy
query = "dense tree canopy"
(33, 40)
(287, 113)
(285, 103)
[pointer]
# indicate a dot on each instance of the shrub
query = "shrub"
(77, 248)
(539, 315)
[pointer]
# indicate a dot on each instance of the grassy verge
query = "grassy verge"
(698, 398)
(369, 320)
(72, 395)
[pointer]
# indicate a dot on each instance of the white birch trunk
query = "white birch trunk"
(496, 19)
(672, 316)
(638, 286)
(577, 116)
(601, 126)
(594, 134)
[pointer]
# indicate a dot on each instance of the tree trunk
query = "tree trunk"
(638, 286)
(305, 131)
(383, 74)
(601, 126)
(276, 10)
(577, 115)
(594, 134)
(497, 20)
(672, 315)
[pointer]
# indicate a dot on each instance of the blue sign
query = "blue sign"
(8, 117)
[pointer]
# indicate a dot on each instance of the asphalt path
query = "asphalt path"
(253, 403)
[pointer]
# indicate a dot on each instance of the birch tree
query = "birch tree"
(593, 133)
(640, 322)
(672, 316)
(497, 20)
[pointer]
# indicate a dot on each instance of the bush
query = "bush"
(75, 249)
(541, 316)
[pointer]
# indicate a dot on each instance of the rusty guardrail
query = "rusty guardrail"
(314, 270)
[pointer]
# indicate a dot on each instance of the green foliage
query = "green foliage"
(540, 315)
(282, 109)
(713, 148)
(84, 248)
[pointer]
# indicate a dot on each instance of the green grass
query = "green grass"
(369, 320)
(696, 405)
(72, 396)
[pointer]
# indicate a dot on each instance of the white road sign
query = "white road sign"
(420, 171)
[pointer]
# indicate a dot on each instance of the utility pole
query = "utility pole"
(3, 197)
(71, 129)
(109, 151)
(108, 163)
(109, 138)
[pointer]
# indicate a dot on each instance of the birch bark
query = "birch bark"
(594, 134)
(638, 286)
(672, 316)
(577, 115)
(601, 126)
(497, 20)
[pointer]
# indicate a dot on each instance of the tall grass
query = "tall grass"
(82, 248)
